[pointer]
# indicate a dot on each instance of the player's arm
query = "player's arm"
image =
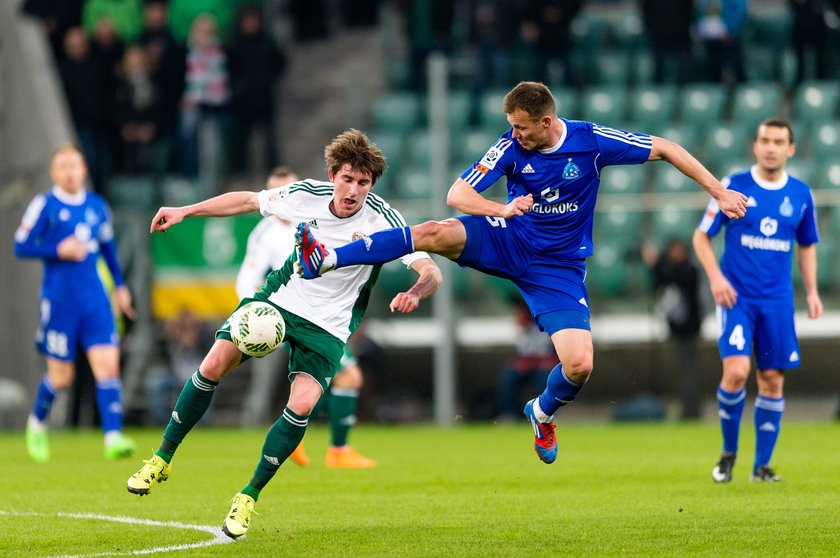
(463, 197)
(732, 203)
(232, 203)
(429, 281)
(722, 290)
(806, 256)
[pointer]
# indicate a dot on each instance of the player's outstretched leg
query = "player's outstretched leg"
(153, 471)
(239, 517)
(545, 442)
(723, 470)
(310, 253)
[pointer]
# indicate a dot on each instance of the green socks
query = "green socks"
(282, 439)
(342, 408)
(192, 404)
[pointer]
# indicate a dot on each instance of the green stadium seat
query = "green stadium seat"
(754, 102)
(604, 105)
(667, 179)
(730, 166)
(418, 148)
(618, 226)
(673, 222)
(491, 117)
(766, 36)
(398, 112)
(827, 176)
(682, 134)
(623, 179)
(460, 111)
(607, 271)
(177, 191)
(702, 105)
(476, 143)
(801, 169)
(825, 140)
(611, 68)
(566, 101)
(825, 263)
(816, 101)
(725, 142)
(392, 145)
(415, 184)
(653, 105)
(132, 192)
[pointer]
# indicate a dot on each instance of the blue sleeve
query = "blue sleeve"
(495, 163)
(617, 147)
(29, 241)
(108, 246)
(807, 232)
(713, 219)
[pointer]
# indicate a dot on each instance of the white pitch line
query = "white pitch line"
(218, 536)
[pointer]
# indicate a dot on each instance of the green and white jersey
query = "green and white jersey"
(337, 300)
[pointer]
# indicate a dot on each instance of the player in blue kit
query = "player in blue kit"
(68, 228)
(540, 238)
(753, 291)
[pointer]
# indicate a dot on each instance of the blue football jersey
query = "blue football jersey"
(757, 253)
(53, 216)
(563, 180)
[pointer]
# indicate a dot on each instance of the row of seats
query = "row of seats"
(698, 105)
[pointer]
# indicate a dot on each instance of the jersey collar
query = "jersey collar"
(766, 184)
(69, 199)
(562, 139)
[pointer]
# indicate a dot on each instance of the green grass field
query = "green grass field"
(635, 490)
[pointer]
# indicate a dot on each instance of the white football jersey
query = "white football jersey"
(336, 300)
(269, 246)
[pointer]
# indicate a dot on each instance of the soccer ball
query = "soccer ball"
(257, 328)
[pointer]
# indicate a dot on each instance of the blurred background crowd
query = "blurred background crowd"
(173, 101)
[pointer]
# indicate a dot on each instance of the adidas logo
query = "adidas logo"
(767, 427)
(723, 414)
(313, 223)
(751, 202)
(175, 417)
(273, 460)
(794, 356)
(583, 301)
(528, 169)
(368, 242)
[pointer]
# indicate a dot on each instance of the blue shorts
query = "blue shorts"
(67, 322)
(767, 329)
(553, 288)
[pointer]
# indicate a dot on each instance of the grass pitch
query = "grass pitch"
(616, 490)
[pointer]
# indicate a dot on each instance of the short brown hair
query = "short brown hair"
(354, 148)
(282, 172)
(776, 122)
(532, 97)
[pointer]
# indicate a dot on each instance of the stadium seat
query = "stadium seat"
(766, 36)
(418, 149)
(415, 184)
(397, 112)
(491, 117)
(653, 105)
(825, 140)
(673, 222)
(725, 143)
(460, 111)
(624, 179)
(702, 105)
(393, 147)
(815, 102)
(476, 143)
(801, 169)
(827, 175)
(682, 134)
(177, 191)
(604, 105)
(607, 270)
(730, 166)
(566, 101)
(753, 102)
(618, 226)
(667, 179)
(826, 263)
(137, 192)
(610, 68)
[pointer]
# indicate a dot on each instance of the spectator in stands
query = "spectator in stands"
(719, 25)
(204, 105)
(310, 20)
(108, 49)
(137, 112)
(811, 34)
(429, 29)
(81, 75)
(532, 361)
(495, 24)
(126, 16)
(57, 17)
(167, 60)
(183, 350)
(554, 41)
(255, 62)
(668, 25)
(676, 284)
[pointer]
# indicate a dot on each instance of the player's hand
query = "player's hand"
(165, 218)
(71, 250)
(815, 306)
(405, 303)
(123, 298)
(723, 292)
(518, 206)
(733, 204)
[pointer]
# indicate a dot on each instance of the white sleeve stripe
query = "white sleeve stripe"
(644, 145)
(474, 177)
(502, 144)
(706, 222)
(626, 134)
(30, 217)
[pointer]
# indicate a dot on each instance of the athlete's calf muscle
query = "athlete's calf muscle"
(446, 238)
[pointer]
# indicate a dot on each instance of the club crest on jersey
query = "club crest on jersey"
(358, 235)
(769, 226)
(786, 209)
(571, 171)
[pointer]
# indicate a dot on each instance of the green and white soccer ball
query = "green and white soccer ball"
(257, 328)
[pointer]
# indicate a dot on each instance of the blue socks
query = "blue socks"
(378, 248)
(730, 409)
(559, 390)
(768, 418)
(44, 399)
(110, 405)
